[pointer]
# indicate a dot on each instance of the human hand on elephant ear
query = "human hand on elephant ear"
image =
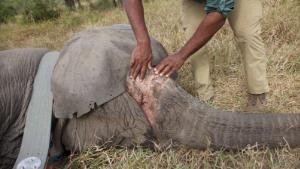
(169, 65)
(140, 60)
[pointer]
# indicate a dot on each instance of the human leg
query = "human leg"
(192, 14)
(245, 22)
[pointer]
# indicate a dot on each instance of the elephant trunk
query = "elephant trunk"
(177, 116)
(237, 130)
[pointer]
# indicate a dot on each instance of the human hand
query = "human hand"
(169, 65)
(140, 60)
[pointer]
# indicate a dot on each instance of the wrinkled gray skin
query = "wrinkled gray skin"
(156, 110)
(120, 122)
(177, 116)
(89, 84)
(92, 69)
(17, 71)
(164, 113)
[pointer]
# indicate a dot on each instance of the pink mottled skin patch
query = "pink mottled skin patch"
(143, 93)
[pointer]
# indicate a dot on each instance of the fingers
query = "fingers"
(132, 68)
(144, 69)
(132, 62)
(150, 65)
(143, 72)
(158, 69)
(137, 71)
(170, 72)
(166, 70)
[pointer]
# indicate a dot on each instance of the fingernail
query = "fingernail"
(167, 75)
(161, 74)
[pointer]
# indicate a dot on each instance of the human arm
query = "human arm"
(211, 23)
(217, 11)
(141, 55)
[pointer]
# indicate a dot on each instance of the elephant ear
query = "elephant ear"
(92, 69)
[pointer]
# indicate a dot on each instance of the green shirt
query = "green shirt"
(222, 6)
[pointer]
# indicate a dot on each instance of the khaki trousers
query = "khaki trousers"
(244, 20)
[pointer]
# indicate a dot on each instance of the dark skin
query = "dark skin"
(141, 55)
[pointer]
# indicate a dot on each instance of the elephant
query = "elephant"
(177, 116)
(18, 68)
(95, 103)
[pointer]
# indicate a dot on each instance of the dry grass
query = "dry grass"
(280, 32)
(183, 158)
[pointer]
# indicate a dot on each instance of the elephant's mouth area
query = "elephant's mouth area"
(145, 93)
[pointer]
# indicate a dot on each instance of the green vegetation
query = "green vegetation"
(31, 10)
(7, 11)
(44, 10)
(282, 38)
(37, 11)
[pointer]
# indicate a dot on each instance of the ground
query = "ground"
(282, 38)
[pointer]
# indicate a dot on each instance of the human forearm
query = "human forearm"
(141, 54)
(206, 30)
(135, 13)
(208, 27)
